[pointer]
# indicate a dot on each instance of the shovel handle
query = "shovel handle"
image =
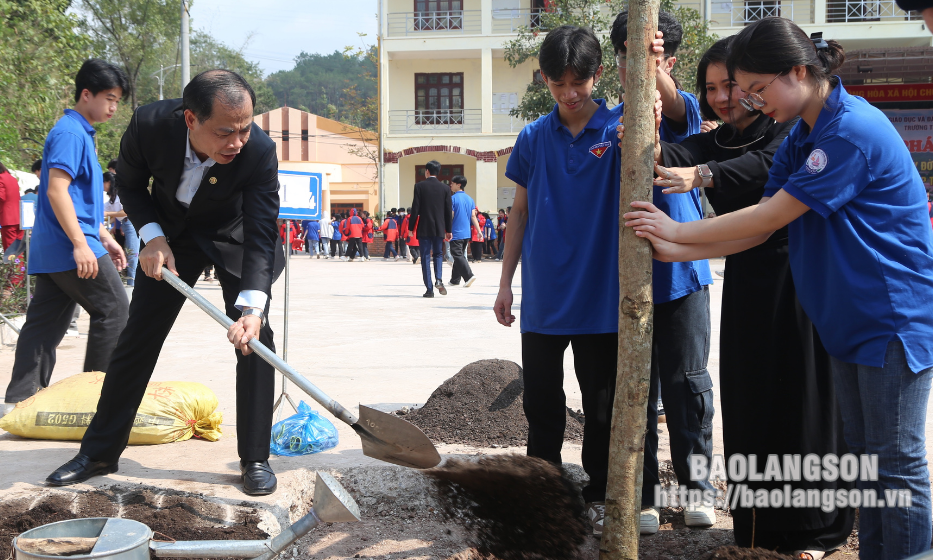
(269, 356)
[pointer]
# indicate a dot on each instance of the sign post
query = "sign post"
(299, 199)
(27, 218)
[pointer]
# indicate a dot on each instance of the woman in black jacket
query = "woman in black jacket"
(775, 383)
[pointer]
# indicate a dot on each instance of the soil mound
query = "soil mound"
(177, 517)
(516, 507)
(739, 553)
(482, 406)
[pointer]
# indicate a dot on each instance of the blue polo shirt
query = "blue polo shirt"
(463, 207)
(862, 257)
(570, 283)
(672, 281)
(69, 147)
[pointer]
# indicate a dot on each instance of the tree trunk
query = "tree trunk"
(627, 442)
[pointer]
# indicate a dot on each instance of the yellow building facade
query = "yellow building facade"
(446, 89)
(341, 153)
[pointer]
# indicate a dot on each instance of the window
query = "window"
(447, 173)
(439, 98)
(304, 135)
(853, 10)
(537, 77)
(438, 15)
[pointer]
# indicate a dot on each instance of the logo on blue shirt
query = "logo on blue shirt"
(817, 161)
(599, 149)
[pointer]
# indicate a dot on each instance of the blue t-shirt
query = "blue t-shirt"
(570, 283)
(69, 147)
(862, 257)
(463, 207)
(672, 281)
(312, 230)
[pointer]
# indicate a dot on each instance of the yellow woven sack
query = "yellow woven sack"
(170, 411)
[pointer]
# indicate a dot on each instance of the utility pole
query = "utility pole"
(185, 53)
(629, 411)
(381, 170)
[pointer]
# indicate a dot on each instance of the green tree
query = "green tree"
(598, 15)
(362, 109)
(319, 80)
(41, 48)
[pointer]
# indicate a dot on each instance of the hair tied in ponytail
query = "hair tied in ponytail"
(818, 41)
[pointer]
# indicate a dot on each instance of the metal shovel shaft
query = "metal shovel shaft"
(328, 403)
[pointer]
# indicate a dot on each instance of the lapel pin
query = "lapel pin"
(212, 180)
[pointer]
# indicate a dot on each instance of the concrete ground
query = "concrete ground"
(360, 331)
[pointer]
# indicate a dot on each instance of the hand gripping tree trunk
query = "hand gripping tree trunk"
(627, 442)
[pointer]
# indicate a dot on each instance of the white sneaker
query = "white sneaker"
(650, 521)
(699, 516)
(469, 282)
(596, 512)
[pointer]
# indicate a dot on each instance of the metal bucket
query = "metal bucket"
(122, 539)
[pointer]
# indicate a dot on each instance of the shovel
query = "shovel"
(384, 437)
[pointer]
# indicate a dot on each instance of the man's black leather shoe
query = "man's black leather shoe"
(80, 469)
(258, 478)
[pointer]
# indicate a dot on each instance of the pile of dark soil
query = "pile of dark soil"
(482, 406)
(739, 553)
(514, 506)
(178, 517)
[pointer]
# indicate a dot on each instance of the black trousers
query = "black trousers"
(153, 311)
(402, 248)
(355, 245)
(594, 359)
(336, 248)
(50, 313)
(461, 268)
(679, 354)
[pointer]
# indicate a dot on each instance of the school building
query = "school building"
(446, 89)
(339, 152)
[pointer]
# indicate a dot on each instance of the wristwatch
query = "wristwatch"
(257, 312)
(706, 176)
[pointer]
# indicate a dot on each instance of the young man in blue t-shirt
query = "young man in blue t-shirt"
(680, 346)
(564, 165)
(464, 215)
(72, 255)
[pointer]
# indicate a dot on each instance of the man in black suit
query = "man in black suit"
(214, 200)
(431, 209)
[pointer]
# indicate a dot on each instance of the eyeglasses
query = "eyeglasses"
(620, 60)
(754, 101)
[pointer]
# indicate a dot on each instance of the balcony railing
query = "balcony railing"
(867, 10)
(467, 22)
(507, 123)
(450, 120)
(509, 21)
(736, 14)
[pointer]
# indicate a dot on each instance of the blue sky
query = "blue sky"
(276, 31)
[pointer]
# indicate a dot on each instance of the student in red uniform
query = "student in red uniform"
(476, 236)
(9, 208)
(353, 231)
(368, 234)
(411, 240)
(390, 230)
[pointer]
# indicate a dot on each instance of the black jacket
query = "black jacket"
(432, 204)
(232, 217)
(739, 174)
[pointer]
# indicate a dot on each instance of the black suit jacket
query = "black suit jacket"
(232, 217)
(431, 203)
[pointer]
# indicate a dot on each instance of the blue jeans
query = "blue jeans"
(429, 244)
(884, 412)
(314, 246)
(132, 250)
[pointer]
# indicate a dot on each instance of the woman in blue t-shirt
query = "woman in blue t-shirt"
(861, 253)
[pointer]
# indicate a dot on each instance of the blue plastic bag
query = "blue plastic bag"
(302, 434)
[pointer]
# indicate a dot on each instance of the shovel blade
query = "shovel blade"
(393, 440)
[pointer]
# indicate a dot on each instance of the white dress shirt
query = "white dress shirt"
(191, 176)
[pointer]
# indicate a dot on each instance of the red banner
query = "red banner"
(888, 93)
